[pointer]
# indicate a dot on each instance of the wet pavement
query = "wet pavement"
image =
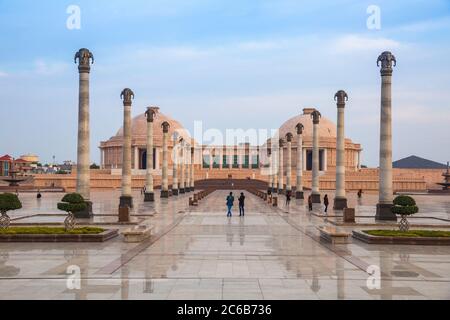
(199, 253)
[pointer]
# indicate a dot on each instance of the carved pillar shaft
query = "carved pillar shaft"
(149, 188)
(299, 182)
(385, 180)
(340, 201)
(315, 158)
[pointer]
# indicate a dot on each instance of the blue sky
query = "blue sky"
(231, 64)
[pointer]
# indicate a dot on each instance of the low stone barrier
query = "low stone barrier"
(101, 237)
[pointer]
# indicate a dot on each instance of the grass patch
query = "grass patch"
(50, 230)
(410, 233)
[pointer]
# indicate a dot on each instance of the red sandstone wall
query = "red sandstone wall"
(366, 179)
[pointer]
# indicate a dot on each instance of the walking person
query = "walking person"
(326, 202)
(360, 192)
(230, 203)
(39, 195)
(288, 199)
(242, 205)
(310, 203)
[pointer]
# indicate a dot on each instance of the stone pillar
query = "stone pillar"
(269, 159)
(289, 137)
(280, 167)
(165, 165)
(149, 195)
(315, 161)
(299, 185)
(275, 166)
(192, 167)
(84, 57)
(340, 200)
(182, 186)
(177, 159)
(136, 158)
(385, 202)
(187, 158)
(126, 199)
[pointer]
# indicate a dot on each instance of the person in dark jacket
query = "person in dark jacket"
(230, 203)
(326, 202)
(288, 199)
(242, 205)
(310, 203)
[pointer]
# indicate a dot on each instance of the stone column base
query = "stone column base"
(299, 195)
(149, 197)
(164, 194)
(126, 201)
(384, 213)
(182, 190)
(124, 214)
(86, 213)
(340, 203)
(316, 198)
(175, 192)
(280, 191)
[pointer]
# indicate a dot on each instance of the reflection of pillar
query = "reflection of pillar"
(315, 158)
(126, 199)
(165, 165)
(340, 272)
(289, 162)
(149, 189)
(177, 154)
(299, 185)
(193, 166)
(280, 167)
(385, 202)
(84, 57)
(340, 201)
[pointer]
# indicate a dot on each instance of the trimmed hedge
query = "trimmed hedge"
(8, 202)
(405, 206)
(72, 202)
(404, 201)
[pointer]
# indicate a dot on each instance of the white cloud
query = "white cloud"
(353, 42)
(3, 74)
(426, 26)
(49, 69)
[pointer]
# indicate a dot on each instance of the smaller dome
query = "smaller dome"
(327, 128)
(139, 127)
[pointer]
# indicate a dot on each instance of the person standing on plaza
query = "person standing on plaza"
(326, 202)
(230, 203)
(310, 203)
(288, 199)
(242, 205)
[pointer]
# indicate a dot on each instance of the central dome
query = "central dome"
(327, 128)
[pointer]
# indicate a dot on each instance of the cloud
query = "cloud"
(425, 26)
(3, 74)
(50, 69)
(353, 42)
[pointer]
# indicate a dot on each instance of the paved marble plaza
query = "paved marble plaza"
(199, 253)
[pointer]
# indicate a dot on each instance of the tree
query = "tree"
(71, 203)
(8, 202)
(94, 166)
(404, 206)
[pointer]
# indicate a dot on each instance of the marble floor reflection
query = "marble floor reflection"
(199, 253)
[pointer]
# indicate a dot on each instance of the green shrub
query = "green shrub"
(72, 202)
(404, 201)
(405, 206)
(8, 202)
